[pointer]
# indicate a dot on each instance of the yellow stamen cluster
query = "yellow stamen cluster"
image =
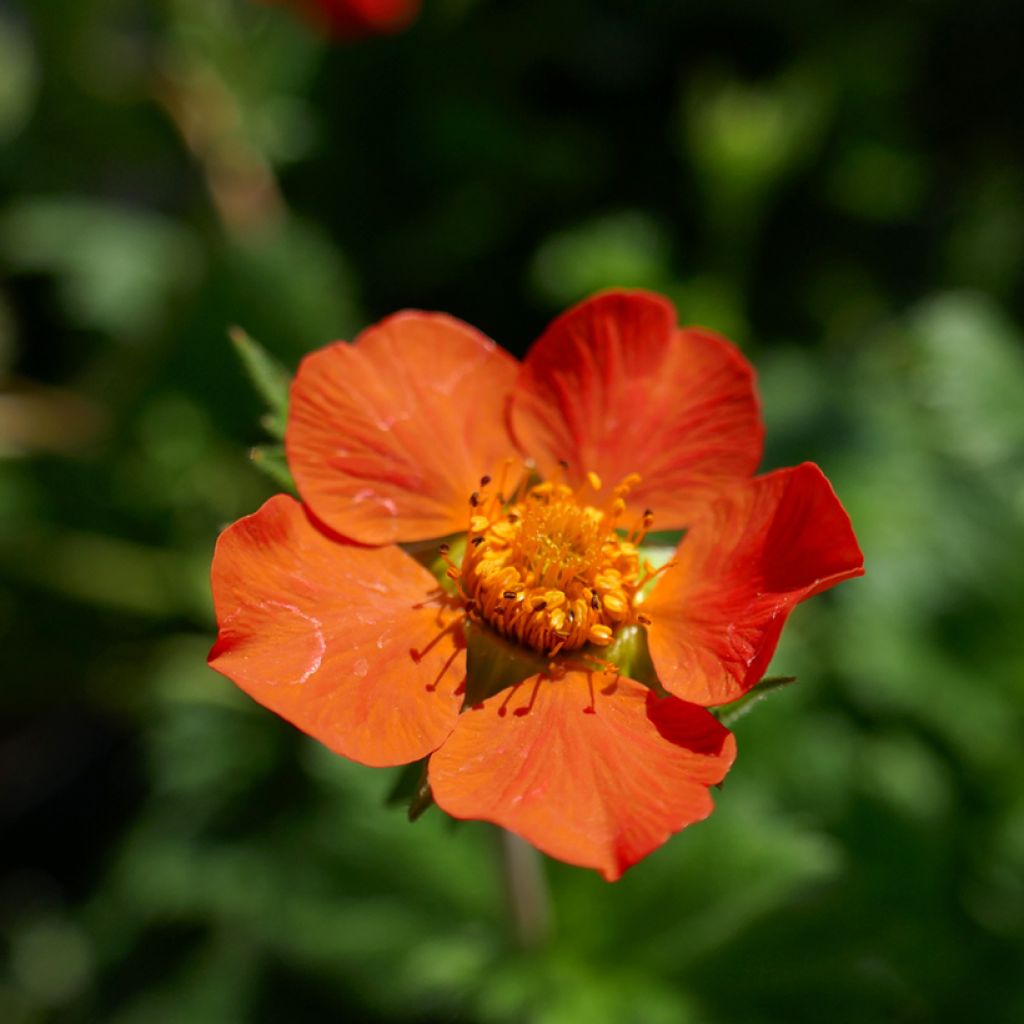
(548, 569)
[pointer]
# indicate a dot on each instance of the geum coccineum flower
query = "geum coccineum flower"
(544, 479)
(349, 19)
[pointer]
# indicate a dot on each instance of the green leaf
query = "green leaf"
(126, 268)
(270, 459)
(626, 248)
(729, 714)
(270, 379)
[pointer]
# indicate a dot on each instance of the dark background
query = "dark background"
(837, 187)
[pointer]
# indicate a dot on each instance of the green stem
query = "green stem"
(526, 889)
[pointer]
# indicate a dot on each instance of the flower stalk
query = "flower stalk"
(527, 891)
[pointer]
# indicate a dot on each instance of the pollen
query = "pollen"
(553, 568)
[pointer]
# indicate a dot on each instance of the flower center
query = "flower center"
(549, 568)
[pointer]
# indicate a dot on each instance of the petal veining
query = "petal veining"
(593, 771)
(615, 387)
(388, 436)
(345, 642)
(743, 567)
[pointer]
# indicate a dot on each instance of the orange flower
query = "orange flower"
(544, 479)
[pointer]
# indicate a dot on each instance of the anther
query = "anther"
(444, 549)
(484, 480)
(554, 574)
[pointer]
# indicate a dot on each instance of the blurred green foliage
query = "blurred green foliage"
(840, 189)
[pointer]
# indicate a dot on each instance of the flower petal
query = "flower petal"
(594, 772)
(351, 19)
(387, 437)
(756, 554)
(336, 639)
(615, 387)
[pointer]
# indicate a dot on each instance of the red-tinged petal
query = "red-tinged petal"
(350, 19)
(388, 437)
(335, 638)
(356, 17)
(593, 772)
(615, 387)
(756, 554)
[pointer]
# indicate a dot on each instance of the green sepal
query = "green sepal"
(269, 458)
(494, 663)
(659, 549)
(412, 788)
(422, 799)
(428, 554)
(632, 658)
(662, 539)
(270, 379)
(728, 714)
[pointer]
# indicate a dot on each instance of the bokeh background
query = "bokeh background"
(838, 187)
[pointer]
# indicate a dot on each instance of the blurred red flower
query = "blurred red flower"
(349, 19)
(421, 429)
